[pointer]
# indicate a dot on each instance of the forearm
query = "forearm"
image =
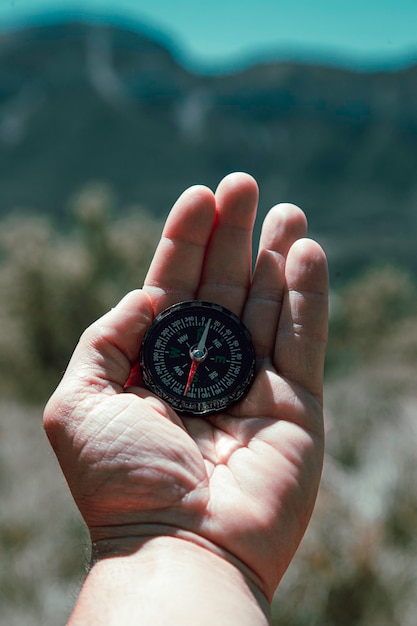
(168, 581)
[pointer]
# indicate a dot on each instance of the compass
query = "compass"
(198, 357)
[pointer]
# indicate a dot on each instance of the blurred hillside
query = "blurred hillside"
(100, 130)
(83, 102)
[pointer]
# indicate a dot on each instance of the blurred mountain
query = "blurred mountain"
(82, 102)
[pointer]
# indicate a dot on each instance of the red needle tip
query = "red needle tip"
(193, 369)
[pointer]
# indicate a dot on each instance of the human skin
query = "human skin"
(197, 519)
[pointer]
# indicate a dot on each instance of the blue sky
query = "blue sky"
(221, 32)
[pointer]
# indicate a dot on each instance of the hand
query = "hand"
(242, 483)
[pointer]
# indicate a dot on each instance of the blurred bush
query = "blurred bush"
(369, 312)
(55, 284)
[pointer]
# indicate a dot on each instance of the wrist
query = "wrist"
(125, 540)
(172, 579)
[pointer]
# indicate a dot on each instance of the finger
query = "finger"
(227, 268)
(302, 331)
(175, 272)
(284, 224)
(108, 349)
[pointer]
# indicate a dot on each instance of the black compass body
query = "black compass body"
(198, 357)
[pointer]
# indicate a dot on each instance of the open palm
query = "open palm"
(243, 482)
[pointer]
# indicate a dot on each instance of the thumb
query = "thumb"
(101, 362)
(109, 348)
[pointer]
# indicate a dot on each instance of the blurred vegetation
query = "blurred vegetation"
(55, 284)
(356, 565)
(375, 310)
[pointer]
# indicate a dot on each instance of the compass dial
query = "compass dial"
(198, 357)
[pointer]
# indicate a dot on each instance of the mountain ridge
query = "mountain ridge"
(82, 102)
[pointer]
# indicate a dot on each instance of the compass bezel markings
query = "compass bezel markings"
(220, 379)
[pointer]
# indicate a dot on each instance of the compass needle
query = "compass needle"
(202, 343)
(193, 369)
(198, 355)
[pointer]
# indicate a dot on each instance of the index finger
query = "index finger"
(175, 272)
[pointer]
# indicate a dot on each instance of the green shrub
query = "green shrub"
(54, 285)
(369, 312)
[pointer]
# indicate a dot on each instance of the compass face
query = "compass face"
(198, 357)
